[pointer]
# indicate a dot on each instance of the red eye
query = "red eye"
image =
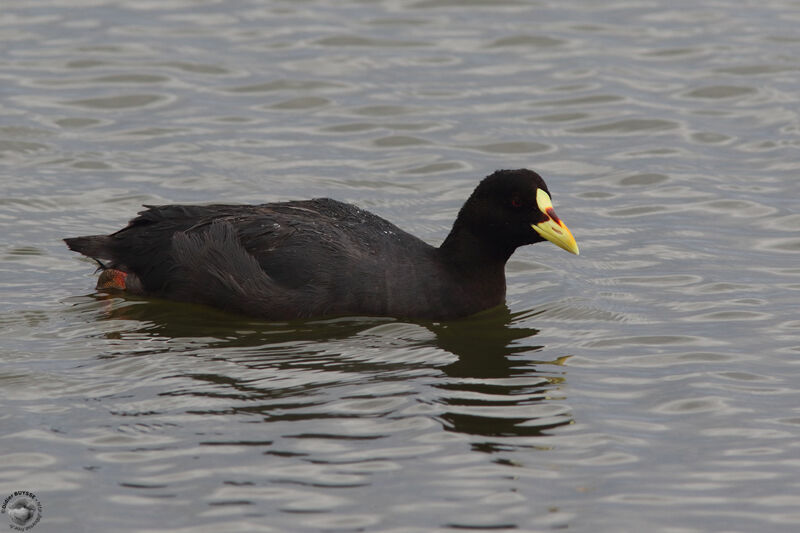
(516, 202)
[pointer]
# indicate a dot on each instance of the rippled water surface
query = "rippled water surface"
(650, 384)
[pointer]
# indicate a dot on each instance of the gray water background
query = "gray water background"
(650, 384)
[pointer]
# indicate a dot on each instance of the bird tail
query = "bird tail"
(95, 246)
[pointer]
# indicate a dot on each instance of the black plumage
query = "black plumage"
(322, 257)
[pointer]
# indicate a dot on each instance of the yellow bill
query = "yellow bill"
(553, 229)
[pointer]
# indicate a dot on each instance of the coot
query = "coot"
(321, 257)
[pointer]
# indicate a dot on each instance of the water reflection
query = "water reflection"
(482, 379)
(495, 389)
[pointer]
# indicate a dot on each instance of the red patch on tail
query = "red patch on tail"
(112, 279)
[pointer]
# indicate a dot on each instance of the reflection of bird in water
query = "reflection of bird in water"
(22, 511)
(496, 389)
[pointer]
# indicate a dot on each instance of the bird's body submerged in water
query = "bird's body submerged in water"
(316, 258)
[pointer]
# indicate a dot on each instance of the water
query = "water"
(649, 384)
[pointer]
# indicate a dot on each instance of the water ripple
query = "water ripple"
(645, 385)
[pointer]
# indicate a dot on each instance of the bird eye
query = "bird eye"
(516, 202)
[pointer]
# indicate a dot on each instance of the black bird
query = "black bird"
(321, 257)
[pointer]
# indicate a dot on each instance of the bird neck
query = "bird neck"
(477, 252)
(479, 266)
